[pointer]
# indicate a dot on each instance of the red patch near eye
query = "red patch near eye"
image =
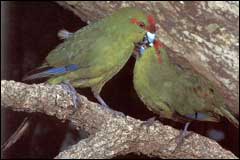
(157, 46)
(151, 27)
(134, 20)
(159, 58)
(140, 24)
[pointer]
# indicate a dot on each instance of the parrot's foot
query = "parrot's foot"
(100, 100)
(64, 34)
(183, 134)
(149, 122)
(71, 90)
(103, 104)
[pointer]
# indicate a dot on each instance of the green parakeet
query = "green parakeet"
(173, 92)
(94, 54)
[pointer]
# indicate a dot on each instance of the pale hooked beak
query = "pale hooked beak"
(151, 37)
(148, 41)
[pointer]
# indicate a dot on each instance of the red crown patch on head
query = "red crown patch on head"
(151, 27)
(151, 24)
(151, 20)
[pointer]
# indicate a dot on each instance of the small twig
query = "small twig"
(17, 134)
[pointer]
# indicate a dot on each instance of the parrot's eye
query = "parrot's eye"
(141, 24)
(147, 42)
(150, 27)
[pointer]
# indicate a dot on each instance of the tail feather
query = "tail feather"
(36, 76)
(51, 72)
(229, 115)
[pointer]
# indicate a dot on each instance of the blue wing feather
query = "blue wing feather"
(52, 72)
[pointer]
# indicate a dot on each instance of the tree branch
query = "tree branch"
(110, 133)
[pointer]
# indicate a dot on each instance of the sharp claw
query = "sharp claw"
(100, 100)
(103, 104)
(183, 134)
(180, 139)
(71, 90)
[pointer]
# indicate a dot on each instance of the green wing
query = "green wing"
(170, 89)
(166, 89)
(100, 49)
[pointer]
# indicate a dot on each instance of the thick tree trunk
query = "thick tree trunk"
(111, 134)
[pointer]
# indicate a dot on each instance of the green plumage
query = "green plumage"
(167, 90)
(100, 50)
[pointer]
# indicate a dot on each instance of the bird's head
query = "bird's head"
(150, 39)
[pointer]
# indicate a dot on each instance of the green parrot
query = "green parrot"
(174, 93)
(91, 56)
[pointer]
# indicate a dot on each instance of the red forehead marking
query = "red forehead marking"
(151, 24)
(151, 27)
(151, 20)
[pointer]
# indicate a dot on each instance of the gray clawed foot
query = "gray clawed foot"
(100, 100)
(180, 138)
(103, 104)
(183, 134)
(71, 90)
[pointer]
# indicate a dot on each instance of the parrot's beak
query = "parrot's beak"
(151, 38)
(147, 42)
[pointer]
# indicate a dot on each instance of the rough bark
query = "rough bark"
(111, 134)
(200, 35)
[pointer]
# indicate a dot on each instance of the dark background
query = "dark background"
(29, 34)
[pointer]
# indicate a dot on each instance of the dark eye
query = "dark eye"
(141, 24)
